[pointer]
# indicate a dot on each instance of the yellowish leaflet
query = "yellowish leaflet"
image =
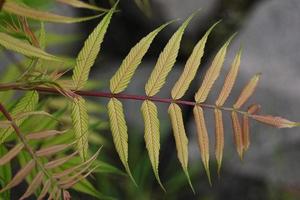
(122, 77)
(191, 67)
(230, 79)
(81, 4)
(247, 91)
(166, 61)
(88, 54)
(203, 139)
(181, 139)
(152, 135)
(119, 131)
(212, 73)
(25, 11)
(25, 48)
(80, 126)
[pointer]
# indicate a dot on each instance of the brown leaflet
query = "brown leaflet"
(246, 128)
(33, 185)
(203, 139)
(275, 121)
(237, 133)
(11, 154)
(219, 137)
(247, 91)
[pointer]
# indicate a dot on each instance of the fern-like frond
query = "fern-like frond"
(88, 54)
(166, 61)
(122, 77)
(191, 67)
(80, 125)
(25, 48)
(203, 139)
(119, 132)
(25, 11)
(230, 80)
(44, 171)
(212, 73)
(181, 139)
(27, 104)
(247, 91)
(152, 135)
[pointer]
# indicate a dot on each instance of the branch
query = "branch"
(16, 86)
(24, 141)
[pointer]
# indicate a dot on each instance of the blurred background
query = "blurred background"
(268, 31)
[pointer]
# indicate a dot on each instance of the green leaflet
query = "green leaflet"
(191, 67)
(152, 136)
(81, 4)
(80, 126)
(42, 36)
(32, 13)
(119, 132)
(166, 61)
(26, 104)
(181, 139)
(87, 56)
(122, 77)
(24, 48)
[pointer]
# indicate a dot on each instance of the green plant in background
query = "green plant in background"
(54, 153)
